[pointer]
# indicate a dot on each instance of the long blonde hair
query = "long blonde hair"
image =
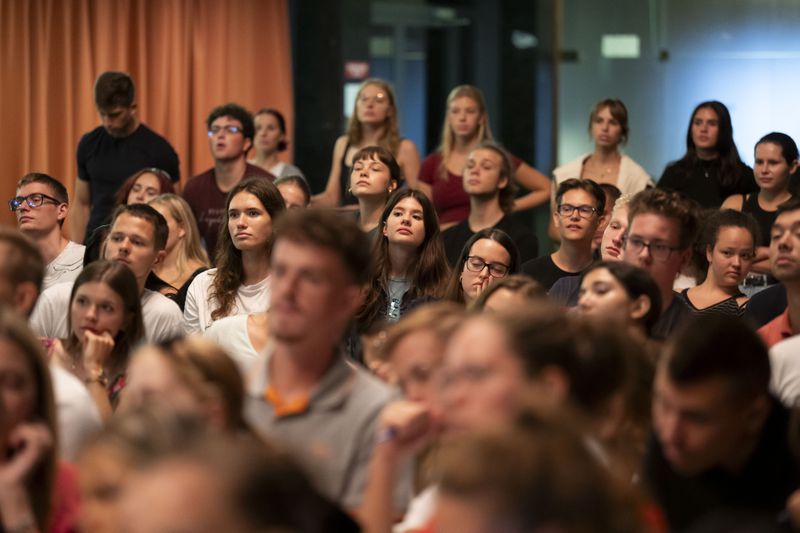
(190, 249)
(391, 128)
(448, 138)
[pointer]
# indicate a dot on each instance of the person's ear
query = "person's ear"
(555, 382)
(25, 296)
(640, 307)
(503, 183)
(392, 185)
(159, 258)
(755, 414)
(709, 254)
(62, 211)
(385, 229)
(686, 256)
(248, 143)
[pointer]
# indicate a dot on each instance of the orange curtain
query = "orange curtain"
(185, 56)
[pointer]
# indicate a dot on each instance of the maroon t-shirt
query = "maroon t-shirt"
(207, 201)
(449, 198)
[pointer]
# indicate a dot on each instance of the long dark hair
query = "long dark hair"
(121, 280)
(40, 482)
(430, 270)
(636, 282)
(230, 270)
(454, 292)
(727, 153)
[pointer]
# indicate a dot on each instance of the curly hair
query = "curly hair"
(429, 271)
(230, 269)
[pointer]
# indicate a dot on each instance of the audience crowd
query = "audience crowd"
(399, 352)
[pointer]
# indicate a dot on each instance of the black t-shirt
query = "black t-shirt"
(669, 320)
(762, 486)
(701, 181)
(456, 237)
(765, 305)
(545, 271)
(106, 162)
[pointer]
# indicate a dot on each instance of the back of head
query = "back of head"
(718, 347)
(113, 89)
(527, 288)
(667, 204)
(332, 231)
(211, 373)
(539, 476)
(21, 262)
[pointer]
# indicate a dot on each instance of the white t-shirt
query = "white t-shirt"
(784, 359)
(76, 412)
(231, 334)
(199, 304)
(66, 266)
(161, 316)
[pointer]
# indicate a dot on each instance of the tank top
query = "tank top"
(344, 178)
(764, 218)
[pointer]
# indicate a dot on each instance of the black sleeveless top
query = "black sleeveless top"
(764, 218)
(346, 196)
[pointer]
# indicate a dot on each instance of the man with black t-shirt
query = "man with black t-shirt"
(487, 181)
(579, 212)
(112, 152)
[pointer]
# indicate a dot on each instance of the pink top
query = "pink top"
(66, 500)
(449, 198)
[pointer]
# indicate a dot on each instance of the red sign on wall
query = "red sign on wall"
(356, 70)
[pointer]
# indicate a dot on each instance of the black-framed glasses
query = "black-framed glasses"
(213, 130)
(34, 200)
(584, 211)
(476, 264)
(659, 250)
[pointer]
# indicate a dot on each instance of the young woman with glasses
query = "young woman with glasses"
(490, 254)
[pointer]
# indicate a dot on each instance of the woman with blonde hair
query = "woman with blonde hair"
(191, 376)
(185, 257)
(466, 125)
(374, 122)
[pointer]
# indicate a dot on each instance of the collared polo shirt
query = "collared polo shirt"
(331, 433)
(776, 330)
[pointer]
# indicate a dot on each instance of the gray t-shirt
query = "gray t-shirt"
(397, 289)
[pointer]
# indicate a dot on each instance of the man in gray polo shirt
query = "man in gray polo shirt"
(304, 395)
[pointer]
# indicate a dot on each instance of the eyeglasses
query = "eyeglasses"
(33, 200)
(584, 211)
(379, 98)
(658, 250)
(213, 130)
(477, 264)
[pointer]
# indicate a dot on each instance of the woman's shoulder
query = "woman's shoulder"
(203, 279)
(571, 169)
